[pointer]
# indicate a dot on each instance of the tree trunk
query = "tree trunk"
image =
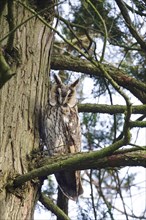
(22, 100)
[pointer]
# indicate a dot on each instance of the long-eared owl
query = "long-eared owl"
(62, 132)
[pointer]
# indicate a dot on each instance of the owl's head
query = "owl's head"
(61, 94)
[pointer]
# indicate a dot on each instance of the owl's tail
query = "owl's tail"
(70, 183)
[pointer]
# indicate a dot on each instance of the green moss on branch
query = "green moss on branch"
(110, 109)
(49, 204)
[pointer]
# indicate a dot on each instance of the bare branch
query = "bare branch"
(104, 28)
(136, 87)
(129, 24)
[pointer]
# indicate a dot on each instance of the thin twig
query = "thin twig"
(104, 27)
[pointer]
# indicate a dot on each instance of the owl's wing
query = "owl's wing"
(70, 181)
(74, 131)
(62, 136)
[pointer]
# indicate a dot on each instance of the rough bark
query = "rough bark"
(21, 101)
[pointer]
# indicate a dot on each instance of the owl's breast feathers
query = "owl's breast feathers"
(72, 127)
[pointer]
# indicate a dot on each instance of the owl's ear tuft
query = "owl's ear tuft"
(75, 83)
(57, 79)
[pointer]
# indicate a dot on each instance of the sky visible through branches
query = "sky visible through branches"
(131, 199)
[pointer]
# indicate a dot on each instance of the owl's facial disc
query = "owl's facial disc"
(63, 95)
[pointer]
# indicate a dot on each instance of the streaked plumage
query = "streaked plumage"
(62, 132)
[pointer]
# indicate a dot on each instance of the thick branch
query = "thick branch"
(140, 124)
(71, 163)
(118, 159)
(136, 87)
(110, 109)
(82, 161)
